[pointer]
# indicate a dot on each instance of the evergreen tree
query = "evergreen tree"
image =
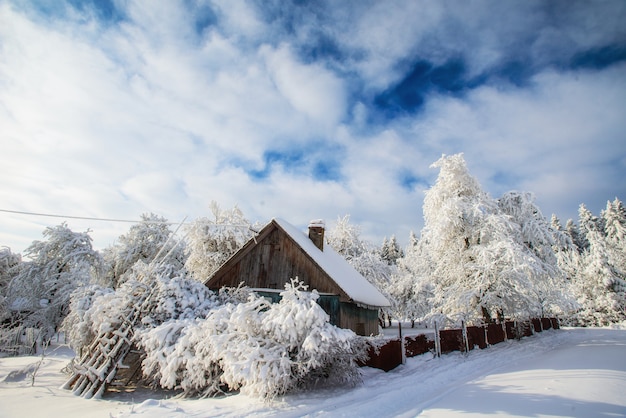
(614, 217)
(391, 251)
(576, 236)
(601, 291)
(597, 279)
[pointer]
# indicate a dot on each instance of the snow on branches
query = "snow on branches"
(597, 265)
(212, 241)
(489, 258)
(40, 288)
(204, 343)
(259, 348)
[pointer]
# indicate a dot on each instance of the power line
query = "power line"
(88, 218)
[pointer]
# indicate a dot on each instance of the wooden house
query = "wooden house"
(281, 252)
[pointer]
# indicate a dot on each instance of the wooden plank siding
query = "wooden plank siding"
(360, 320)
(270, 263)
(273, 258)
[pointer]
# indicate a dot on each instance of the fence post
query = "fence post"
(485, 326)
(465, 338)
(402, 348)
(437, 341)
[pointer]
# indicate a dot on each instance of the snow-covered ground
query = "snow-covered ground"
(565, 373)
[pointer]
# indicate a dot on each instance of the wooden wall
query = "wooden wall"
(276, 258)
(360, 320)
(271, 263)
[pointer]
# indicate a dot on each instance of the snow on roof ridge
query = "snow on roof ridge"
(351, 281)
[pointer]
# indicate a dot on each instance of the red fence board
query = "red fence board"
(476, 337)
(418, 344)
(389, 355)
(385, 357)
(495, 334)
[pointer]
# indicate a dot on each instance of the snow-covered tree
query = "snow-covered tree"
(212, 241)
(614, 217)
(151, 236)
(577, 237)
(480, 269)
(173, 296)
(89, 307)
(41, 287)
(345, 238)
(589, 223)
(549, 291)
(598, 283)
(8, 267)
(411, 288)
(8, 262)
(600, 291)
(391, 251)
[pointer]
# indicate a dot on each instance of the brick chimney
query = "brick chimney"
(316, 233)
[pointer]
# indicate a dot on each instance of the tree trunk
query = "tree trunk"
(486, 315)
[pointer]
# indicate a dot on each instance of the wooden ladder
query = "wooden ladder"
(98, 367)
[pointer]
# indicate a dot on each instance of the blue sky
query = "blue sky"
(303, 110)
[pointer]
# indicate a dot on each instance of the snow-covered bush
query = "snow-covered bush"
(85, 315)
(259, 348)
(319, 349)
(96, 310)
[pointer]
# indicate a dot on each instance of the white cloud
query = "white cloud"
(559, 139)
(310, 89)
(148, 114)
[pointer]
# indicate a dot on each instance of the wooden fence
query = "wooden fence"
(388, 354)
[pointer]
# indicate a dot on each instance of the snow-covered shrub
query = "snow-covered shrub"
(79, 323)
(179, 297)
(259, 348)
(320, 350)
(96, 310)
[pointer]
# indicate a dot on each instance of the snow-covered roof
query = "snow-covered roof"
(351, 281)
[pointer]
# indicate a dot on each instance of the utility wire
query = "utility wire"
(19, 212)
